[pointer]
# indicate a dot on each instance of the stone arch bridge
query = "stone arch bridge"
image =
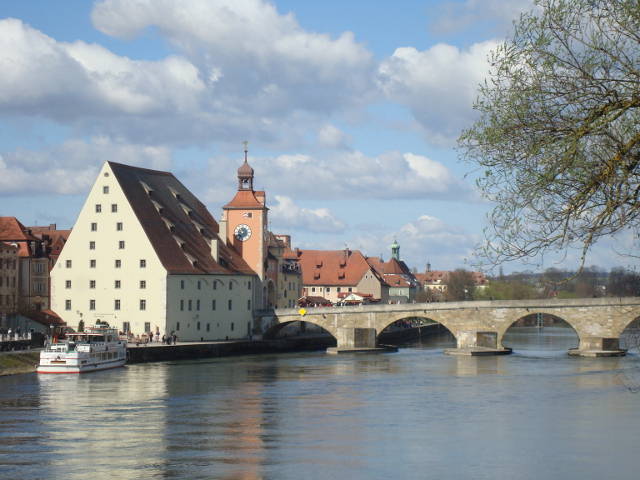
(597, 321)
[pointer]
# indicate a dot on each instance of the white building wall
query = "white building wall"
(190, 309)
(105, 273)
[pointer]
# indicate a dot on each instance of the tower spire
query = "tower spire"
(245, 172)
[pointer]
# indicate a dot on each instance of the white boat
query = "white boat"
(97, 348)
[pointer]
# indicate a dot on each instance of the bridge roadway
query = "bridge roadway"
(476, 325)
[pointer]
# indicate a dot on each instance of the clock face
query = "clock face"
(242, 232)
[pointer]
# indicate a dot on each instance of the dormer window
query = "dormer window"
(319, 263)
(179, 241)
(157, 205)
(147, 188)
(186, 209)
(198, 226)
(169, 225)
(193, 261)
(174, 192)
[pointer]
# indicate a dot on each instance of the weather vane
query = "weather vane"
(245, 143)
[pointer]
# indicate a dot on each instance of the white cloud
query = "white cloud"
(332, 137)
(427, 239)
(354, 175)
(287, 216)
(72, 167)
(438, 85)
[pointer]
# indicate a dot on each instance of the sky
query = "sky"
(351, 110)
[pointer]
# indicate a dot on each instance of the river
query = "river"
(413, 414)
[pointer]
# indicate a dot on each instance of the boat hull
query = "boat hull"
(84, 368)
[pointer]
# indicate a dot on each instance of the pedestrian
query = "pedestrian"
(150, 337)
(163, 338)
(18, 332)
(174, 337)
(9, 332)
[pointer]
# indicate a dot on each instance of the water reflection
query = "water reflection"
(413, 414)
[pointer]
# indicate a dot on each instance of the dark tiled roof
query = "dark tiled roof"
(194, 225)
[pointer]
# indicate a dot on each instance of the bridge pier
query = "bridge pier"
(359, 340)
(598, 347)
(477, 343)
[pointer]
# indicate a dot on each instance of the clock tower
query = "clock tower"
(244, 221)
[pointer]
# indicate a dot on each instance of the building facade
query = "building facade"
(145, 255)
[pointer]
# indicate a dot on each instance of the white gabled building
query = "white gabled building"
(144, 254)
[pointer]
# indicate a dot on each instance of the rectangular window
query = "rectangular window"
(116, 305)
(114, 208)
(350, 289)
(118, 263)
(248, 304)
(328, 289)
(249, 284)
(68, 263)
(67, 284)
(181, 284)
(198, 326)
(92, 245)
(92, 264)
(143, 264)
(94, 227)
(215, 284)
(213, 305)
(98, 208)
(67, 304)
(147, 327)
(178, 326)
(199, 286)
(105, 189)
(143, 284)
(118, 283)
(339, 289)
(313, 289)
(126, 327)
(92, 284)
(232, 326)
(208, 325)
(190, 304)
(119, 226)
(230, 304)
(181, 304)
(143, 304)
(197, 304)
(230, 285)
(121, 244)
(92, 304)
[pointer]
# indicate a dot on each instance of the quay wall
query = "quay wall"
(183, 351)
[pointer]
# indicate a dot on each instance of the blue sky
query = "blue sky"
(351, 110)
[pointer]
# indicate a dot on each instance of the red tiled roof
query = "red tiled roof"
(173, 257)
(244, 199)
(11, 230)
(333, 267)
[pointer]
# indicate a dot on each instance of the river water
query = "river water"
(413, 414)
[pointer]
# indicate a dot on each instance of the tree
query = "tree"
(460, 286)
(557, 140)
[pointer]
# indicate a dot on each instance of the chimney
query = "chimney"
(215, 249)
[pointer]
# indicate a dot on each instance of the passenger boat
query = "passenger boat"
(97, 348)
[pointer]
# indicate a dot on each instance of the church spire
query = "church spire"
(245, 173)
(395, 249)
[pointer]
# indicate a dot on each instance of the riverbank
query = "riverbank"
(14, 363)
